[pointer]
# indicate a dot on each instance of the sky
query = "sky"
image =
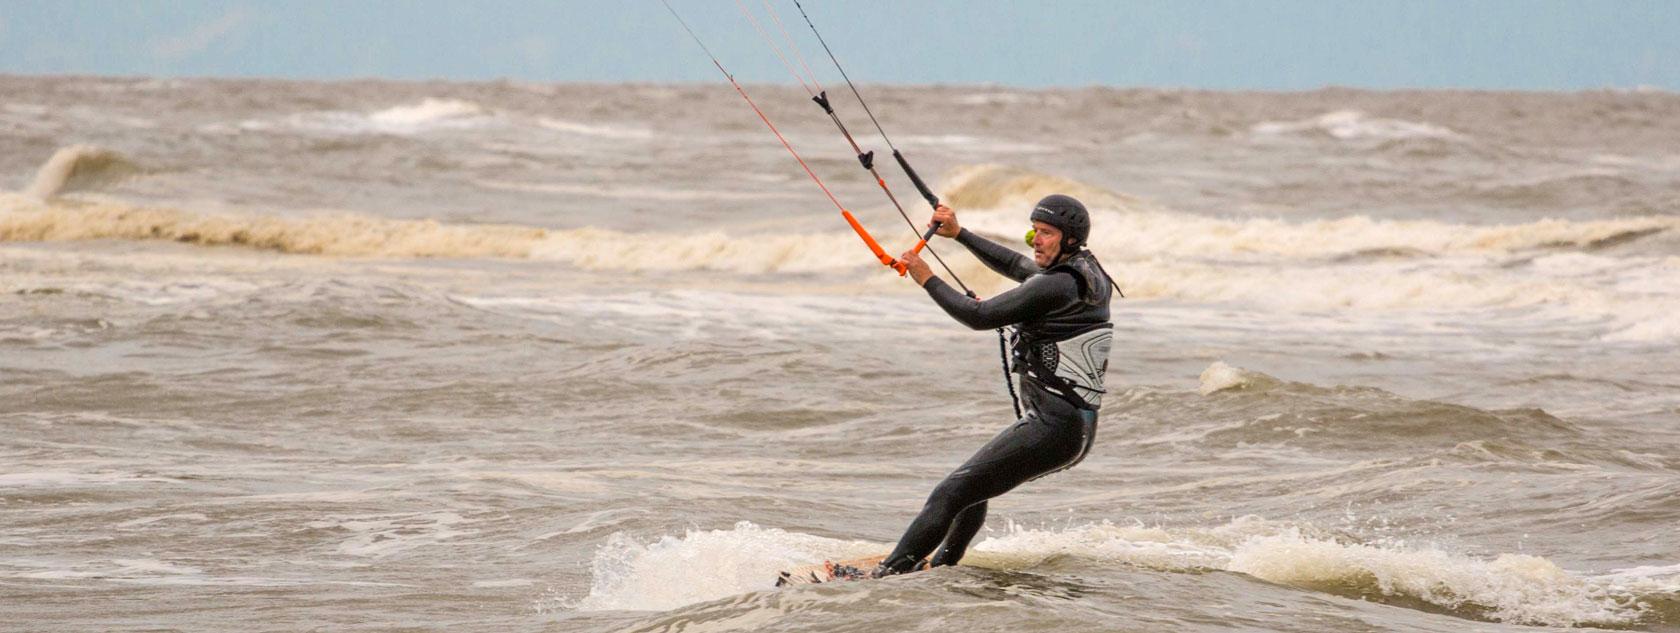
(1217, 44)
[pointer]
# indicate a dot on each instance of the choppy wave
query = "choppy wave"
(703, 565)
(80, 168)
(1268, 410)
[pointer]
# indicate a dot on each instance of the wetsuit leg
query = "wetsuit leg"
(962, 533)
(969, 522)
(1032, 447)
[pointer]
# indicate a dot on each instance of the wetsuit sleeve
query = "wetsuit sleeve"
(1040, 295)
(997, 256)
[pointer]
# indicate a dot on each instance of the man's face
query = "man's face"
(1046, 244)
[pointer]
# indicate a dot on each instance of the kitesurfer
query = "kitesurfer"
(1061, 339)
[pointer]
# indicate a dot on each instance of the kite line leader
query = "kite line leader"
(820, 96)
(927, 194)
(868, 240)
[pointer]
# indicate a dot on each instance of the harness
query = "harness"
(1072, 368)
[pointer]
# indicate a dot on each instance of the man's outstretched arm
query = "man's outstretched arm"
(1031, 300)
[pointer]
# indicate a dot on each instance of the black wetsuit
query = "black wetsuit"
(1066, 300)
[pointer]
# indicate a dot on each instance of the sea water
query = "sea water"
(284, 356)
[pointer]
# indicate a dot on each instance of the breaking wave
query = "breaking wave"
(25, 219)
(1613, 271)
(80, 168)
(1222, 377)
(22, 219)
(997, 199)
(1514, 588)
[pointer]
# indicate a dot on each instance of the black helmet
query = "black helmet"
(1068, 216)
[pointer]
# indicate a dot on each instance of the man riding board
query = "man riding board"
(1061, 341)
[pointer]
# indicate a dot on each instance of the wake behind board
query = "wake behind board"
(833, 570)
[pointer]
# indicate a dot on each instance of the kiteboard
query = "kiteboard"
(833, 570)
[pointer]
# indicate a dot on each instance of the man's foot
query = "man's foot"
(896, 566)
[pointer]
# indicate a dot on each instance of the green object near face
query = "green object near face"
(1031, 233)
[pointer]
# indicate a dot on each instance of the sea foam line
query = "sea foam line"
(702, 565)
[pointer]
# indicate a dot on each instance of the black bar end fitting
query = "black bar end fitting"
(915, 179)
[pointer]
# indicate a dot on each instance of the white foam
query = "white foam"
(1353, 124)
(428, 115)
(619, 132)
(702, 565)
(427, 112)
